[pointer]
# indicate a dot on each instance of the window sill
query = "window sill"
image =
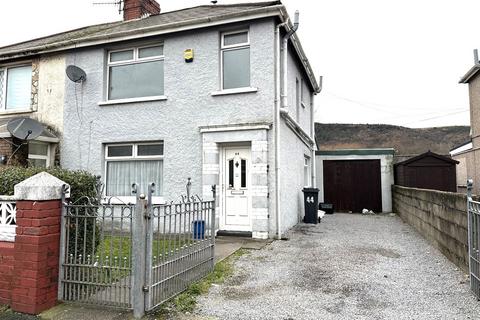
(4, 112)
(234, 91)
(132, 100)
(129, 200)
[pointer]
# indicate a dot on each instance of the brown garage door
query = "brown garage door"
(352, 185)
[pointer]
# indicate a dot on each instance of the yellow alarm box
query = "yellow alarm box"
(188, 55)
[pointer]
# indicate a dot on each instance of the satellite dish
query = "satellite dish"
(76, 74)
(25, 128)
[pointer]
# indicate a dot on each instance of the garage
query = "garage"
(356, 179)
(352, 185)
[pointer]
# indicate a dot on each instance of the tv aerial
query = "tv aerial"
(118, 3)
(25, 128)
(76, 74)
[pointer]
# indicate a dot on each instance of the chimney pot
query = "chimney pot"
(136, 9)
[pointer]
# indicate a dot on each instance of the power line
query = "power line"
(379, 107)
(437, 117)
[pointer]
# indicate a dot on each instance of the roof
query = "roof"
(428, 154)
(356, 152)
(461, 147)
(46, 135)
(405, 141)
(470, 74)
(168, 22)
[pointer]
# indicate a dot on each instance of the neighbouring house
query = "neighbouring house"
(31, 87)
(461, 153)
(427, 171)
(468, 153)
(221, 94)
(356, 179)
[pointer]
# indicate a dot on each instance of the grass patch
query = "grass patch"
(187, 300)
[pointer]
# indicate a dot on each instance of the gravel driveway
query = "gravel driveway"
(347, 267)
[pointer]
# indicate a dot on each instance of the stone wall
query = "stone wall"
(441, 217)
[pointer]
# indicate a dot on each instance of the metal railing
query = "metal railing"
(182, 239)
(96, 255)
(134, 256)
(8, 210)
(473, 208)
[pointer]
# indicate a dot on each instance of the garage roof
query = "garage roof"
(356, 152)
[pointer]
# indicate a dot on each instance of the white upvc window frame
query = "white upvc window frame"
(307, 172)
(135, 60)
(232, 47)
(133, 157)
(39, 156)
(302, 93)
(3, 89)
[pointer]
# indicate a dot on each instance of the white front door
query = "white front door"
(236, 173)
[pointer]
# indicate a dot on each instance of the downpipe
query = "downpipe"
(281, 103)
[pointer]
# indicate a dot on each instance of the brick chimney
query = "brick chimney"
(135, 9)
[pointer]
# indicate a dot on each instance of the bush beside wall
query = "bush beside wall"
(441, 217)
(82, 183)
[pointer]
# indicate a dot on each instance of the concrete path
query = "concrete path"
(347, 267)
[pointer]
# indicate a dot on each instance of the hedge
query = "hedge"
(82, 191)
(82, 183)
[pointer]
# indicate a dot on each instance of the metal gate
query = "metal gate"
(135, 256)
(473, 208)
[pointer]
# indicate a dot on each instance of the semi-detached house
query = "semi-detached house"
(221, 94)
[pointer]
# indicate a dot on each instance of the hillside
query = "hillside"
(406, 141)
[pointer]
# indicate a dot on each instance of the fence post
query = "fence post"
(212, 224)
(138, 255)
(63, 241)
(470, 231)
(148, 246)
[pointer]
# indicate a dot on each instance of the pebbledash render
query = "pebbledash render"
(195, 94)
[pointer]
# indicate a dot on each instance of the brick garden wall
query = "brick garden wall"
(441, 217)
(6, 267)
(29, 266)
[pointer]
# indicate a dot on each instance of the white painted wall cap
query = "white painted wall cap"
(41, 187)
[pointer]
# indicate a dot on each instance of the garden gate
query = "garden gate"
(473, 208)
(134, 256)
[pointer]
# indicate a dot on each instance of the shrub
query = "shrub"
(82, 183)
(82, 191)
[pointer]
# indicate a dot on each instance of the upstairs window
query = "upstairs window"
(15, 88)
(136, 73)
(235, 60)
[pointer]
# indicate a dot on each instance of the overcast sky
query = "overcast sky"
(383, 61)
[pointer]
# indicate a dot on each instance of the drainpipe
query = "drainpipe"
(280, 102)
(285, 59)
(314, 162)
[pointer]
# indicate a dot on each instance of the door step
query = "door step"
(226, 233)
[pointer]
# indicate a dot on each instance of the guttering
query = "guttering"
(473, 70)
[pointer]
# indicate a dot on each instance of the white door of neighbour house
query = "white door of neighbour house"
(236, 180)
